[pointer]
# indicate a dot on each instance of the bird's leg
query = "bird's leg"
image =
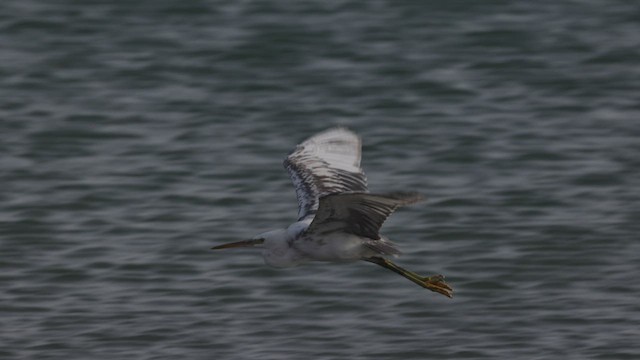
(434, 283)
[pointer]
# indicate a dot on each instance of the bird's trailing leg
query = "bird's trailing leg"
(434, 283)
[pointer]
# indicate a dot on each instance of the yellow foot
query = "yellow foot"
(436, 283)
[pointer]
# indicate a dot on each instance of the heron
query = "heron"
(338, 218)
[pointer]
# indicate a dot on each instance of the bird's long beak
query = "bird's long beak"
(237, 244)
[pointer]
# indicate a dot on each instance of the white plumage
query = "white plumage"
(338, 219)
(327, 163)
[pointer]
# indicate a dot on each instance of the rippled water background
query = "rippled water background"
(136, 135)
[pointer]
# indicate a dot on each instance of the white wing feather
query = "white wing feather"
(327, 163)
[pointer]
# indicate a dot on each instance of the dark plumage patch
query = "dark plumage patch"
(360, 214)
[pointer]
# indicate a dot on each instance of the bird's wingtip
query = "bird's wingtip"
(406, 197)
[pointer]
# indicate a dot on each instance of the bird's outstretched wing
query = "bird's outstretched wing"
(360, 214)
(327, 163)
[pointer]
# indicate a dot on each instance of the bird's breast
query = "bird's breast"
(331, 247)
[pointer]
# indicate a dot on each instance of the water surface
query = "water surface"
(136, 136)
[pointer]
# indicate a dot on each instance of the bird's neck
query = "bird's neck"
(278, 251)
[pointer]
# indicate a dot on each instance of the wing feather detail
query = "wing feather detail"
(327, 163)
(360, 214)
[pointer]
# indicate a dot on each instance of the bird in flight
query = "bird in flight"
(338, 218)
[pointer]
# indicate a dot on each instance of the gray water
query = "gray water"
(136, 135)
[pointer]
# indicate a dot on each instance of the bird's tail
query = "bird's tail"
(384, 246)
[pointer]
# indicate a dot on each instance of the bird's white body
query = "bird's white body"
(338, 219)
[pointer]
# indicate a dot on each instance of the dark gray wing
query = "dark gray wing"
(360, 214)
(327, 163)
